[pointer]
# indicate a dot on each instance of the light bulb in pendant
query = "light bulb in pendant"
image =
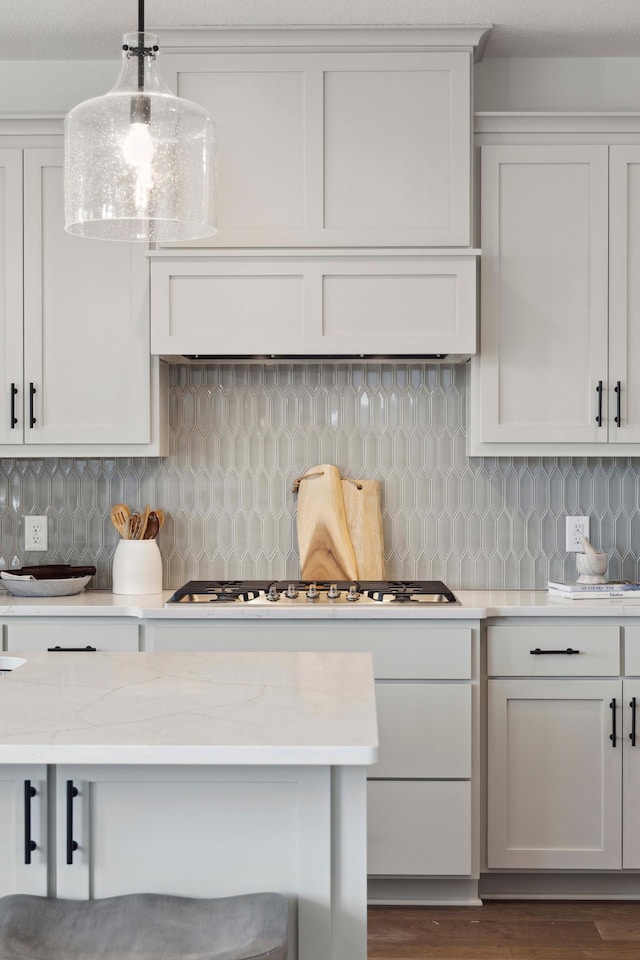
(138, 151)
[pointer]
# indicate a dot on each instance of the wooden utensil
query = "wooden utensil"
(119, 518)
(364, 522)
(143, 523)
(326, 551)
(160, 515)
(133, 526)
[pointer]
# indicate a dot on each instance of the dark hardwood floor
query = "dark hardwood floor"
(507, 930)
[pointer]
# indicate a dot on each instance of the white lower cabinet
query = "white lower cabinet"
(563, 747)
(554, 776)
(23, 829)
(76, 634)
(421, 793)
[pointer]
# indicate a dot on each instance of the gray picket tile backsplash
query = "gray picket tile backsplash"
(241, 433)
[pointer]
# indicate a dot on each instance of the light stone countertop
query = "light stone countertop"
(474, 605)
(190, 708)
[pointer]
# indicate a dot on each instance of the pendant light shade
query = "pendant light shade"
(139, 162)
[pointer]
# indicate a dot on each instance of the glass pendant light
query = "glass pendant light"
(139, 162)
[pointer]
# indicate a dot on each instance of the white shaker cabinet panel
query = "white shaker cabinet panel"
(11, 346)
(554, 775)
(86, 324)
(419, 828)
(313, 305)
(75, 635)
(624, 295)
(542, 373)
(323, 148)
(425, 730)
(631, 774)
(23, 829)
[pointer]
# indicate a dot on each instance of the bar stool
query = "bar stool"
(144, 926)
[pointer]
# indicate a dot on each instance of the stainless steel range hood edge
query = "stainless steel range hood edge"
(435, 358)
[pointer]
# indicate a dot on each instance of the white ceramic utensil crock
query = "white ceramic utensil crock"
(137, 567)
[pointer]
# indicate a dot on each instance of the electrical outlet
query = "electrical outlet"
(577, 527)
(35, 533)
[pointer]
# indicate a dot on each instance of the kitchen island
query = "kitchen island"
(204, 775)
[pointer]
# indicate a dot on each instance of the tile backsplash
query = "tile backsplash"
(241, 433)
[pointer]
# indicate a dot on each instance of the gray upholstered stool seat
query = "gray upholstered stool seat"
(144, 926)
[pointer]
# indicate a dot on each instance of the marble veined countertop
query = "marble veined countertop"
(474, 605)
(189, 708)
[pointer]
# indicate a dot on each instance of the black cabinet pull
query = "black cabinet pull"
(29, 844)
(13, 418)
(599, 392)
(538, 652)
(71, 843)
(618, 392)
(86, 649)
(612, 735)
(32, 393)
(632, 735)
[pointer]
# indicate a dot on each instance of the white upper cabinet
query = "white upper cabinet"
(559, 354)
(76, 374)
(544, 293)
(322, 146)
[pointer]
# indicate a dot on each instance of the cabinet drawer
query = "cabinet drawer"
(632, 651)
(43, 634)
(509, 650)
(425, 730)
(419, 828)
(407, 650)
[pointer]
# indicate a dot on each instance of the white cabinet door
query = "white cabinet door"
(23, 829)
(202, 832)
(554, 774)
(336, 149)
(85, 321)
(425, 731)
(73, 635)
(624, 295)
(543, 349)
(11, 425)
(419, 828)
(631, 775)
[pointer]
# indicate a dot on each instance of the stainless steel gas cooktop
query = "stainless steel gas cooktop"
(313, 592)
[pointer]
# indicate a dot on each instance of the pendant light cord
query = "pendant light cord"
(140, 44)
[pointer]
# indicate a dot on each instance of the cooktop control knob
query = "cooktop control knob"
(333, 593)
(353, 593)
(273, 593)
(292, 593)
(312, 592)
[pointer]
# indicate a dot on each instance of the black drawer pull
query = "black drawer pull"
(13, 419)
(29, 844)
(612, 735)
(632, 735)
(599, 392)
(32, 393)
(71, 843)
(618, 392)
(538, 652)
(86, 649)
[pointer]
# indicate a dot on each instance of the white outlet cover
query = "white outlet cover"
(576, 527)
(35, 533)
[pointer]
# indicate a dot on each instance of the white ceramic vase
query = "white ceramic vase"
(137, 567)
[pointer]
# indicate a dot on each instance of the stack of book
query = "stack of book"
(612, 589)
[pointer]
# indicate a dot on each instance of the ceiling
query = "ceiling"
(87, 29)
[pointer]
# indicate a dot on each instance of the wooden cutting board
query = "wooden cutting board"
(339, 525)
(324, 542)
(364, 520)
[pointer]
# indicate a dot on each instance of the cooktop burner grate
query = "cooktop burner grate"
(301, 591)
